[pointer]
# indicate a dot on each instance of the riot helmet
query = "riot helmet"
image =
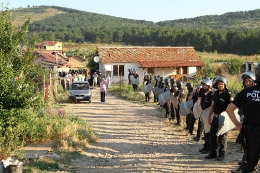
(189, 85)
(257, 73)
(247, 75)
(214, 84)
(179, 84)
(207, 81)
(221, 79)
(172, 81)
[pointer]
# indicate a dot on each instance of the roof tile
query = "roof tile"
(151, 56)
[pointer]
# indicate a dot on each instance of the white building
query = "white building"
(169, 62)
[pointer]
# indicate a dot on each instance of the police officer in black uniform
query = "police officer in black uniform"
(207, 100)
(201, 97)
(179, 95)
(194, 97)
(147, 80)
(129, 76)
(172, 91)
(188, 116)
(136, 76)
(156, 78)
(166, 88)
(248, 100)
(220, 101)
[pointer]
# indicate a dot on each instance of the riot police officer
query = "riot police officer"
(156, 78)
(166, 88)
(147, 80)
(206, 102)
(194, 97)
(205, 80)
(220, 101)
(248, 79)
(136, 76)
(172, 91)
(129, 76)
(179, 95)
(188, 116)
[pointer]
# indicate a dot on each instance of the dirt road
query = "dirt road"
(133, 138)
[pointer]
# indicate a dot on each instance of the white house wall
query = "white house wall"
(116, 79)
(192, 71)
(140, 71)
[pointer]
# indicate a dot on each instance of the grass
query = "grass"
(20, 17)
(47, 165)
(70, 135)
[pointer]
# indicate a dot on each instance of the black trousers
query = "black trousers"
(192, 122)
(188, 119)
(166, 108)
(178, 116)
(172, 111)
(147, 97)
(155, 98)
(135, 87)
(191, 127)
(103, 96)
(206, 144)
(253, 151)
(214, 139)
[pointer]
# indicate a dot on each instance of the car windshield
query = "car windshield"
(80, 86)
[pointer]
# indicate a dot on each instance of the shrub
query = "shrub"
(66, 130)
(18, 97)
(233, 66)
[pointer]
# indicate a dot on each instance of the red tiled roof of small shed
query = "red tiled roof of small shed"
(151, 56)
(49, 43)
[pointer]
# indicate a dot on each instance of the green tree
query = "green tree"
(233, 65)
(91, 64)
(17, 74)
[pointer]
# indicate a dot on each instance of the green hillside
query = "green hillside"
(35, 13)
(236, 32)
(233, 20)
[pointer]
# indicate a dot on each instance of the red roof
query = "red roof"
(151, 56)
(48, 57)
(49, 43)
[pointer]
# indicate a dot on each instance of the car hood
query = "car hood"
(79, 92)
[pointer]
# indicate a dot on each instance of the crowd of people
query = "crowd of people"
(213, 94)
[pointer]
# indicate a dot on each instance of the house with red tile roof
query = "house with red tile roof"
(169, 62)
(49, 46)
(51, 59)
(77, 62)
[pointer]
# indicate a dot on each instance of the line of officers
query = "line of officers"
(214, 93)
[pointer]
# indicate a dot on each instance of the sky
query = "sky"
(150, 10)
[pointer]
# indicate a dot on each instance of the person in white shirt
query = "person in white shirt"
(95, 76)
(108, 81)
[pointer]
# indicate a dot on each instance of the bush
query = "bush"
(233, 66)
(68, 131)
(18, 97)
(127, 92)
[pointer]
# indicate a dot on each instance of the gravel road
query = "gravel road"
(134, 138)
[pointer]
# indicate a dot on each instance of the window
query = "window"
(151, 70)
(118, 70)
(185, 70)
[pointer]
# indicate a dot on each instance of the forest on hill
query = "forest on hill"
(236, 32)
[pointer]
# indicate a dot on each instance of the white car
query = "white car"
(80, 91)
